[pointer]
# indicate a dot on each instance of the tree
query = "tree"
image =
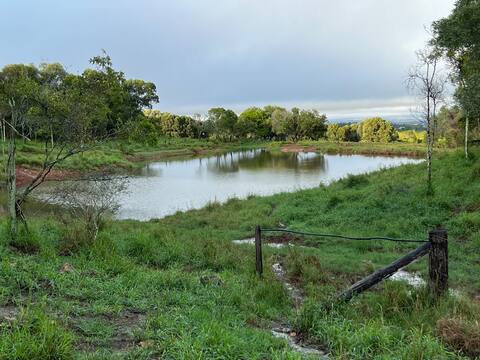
(52, 77)
(19, 91)
(254, 123)
(312, 125)
(449, 122)
(278, 119)
(224, 121)
(376, 129)
(125, 99)
(292, 125)
(333, 132)
(458, 38)
(427, 82)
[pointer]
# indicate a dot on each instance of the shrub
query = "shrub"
(355, 180)
(74, 236)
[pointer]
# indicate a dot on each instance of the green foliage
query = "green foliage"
(339, 133)
(254, 123)
(224, 122)
(313, 126)
(450, 124)
(457, 36)
(412, 136)
(145, 132)
(172, 125)
(68, 107)
(376, 130)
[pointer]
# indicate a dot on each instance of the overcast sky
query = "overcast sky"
(347, 58)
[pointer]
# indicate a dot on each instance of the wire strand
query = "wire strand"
(343, 237)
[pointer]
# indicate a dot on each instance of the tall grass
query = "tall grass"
(138, 289)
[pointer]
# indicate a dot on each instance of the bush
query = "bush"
(354, 180)
(74, 236)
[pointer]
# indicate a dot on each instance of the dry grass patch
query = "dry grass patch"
(461, 335)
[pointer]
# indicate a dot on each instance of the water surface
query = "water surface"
(164, 187)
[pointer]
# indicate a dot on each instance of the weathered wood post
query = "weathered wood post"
(438, 262)
(258, 251)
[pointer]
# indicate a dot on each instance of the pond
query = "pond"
(164, 187)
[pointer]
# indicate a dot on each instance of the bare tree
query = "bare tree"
(427, 82)
(88, 201)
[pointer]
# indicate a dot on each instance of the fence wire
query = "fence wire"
(359, 238)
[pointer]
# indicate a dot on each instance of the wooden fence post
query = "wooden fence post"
(258, 251)
(438, 262)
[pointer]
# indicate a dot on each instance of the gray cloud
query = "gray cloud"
(235, 52)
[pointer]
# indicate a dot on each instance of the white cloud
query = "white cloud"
(211, 52)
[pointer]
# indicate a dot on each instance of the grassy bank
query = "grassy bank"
(364, 148)
(127, 155)
(177, 288)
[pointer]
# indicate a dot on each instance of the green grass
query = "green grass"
(366, 148)
(137, 293)
(124, 154)
(128, 155)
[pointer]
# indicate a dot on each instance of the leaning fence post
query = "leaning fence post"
(258, 250)
(438, 262)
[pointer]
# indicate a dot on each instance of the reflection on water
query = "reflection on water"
(266, 160)
(162, 188)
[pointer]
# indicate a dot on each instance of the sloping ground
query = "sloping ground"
(177, 288)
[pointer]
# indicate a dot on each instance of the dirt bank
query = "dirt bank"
(25, 175)
(298, 148)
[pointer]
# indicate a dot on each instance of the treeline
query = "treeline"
(49, 103)
(373, 129)
(268, 123)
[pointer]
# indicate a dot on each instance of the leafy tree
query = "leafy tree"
(333, 133)
(185, 126)
(292, 125)
(312, 125)
(51, 103)
(278, 119)
(449, 123)
(351, 132)
(254, 123)
(458, 37)
(224, 122)
(19, 91)
(125, 99)
(376, 129)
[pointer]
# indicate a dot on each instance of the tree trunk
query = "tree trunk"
(3, 137)
(51, 135)
(12, 185)
(429, 149)
(466, 137)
